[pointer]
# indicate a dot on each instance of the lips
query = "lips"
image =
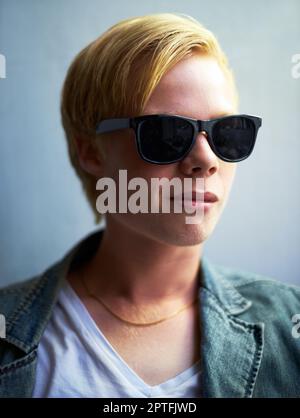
(208, 197)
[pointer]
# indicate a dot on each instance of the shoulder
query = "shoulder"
(47, 283)
(18, 287)
(264, 292)
(15, 294)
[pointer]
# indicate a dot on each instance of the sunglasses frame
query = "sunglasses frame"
(114, 124)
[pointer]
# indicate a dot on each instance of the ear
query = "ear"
(89, 157)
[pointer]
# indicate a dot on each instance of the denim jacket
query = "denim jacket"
(247, 349)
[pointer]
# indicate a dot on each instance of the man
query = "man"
(135, 310)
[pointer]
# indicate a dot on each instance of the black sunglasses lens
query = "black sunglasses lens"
(234, 137)
(165, 139)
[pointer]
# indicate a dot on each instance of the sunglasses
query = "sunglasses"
(166, 139)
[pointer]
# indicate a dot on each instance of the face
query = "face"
(197, 88)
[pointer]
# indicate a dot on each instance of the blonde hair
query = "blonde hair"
(100, 83)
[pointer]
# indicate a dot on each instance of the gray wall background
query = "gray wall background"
(43, 212)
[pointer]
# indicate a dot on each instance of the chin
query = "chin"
(188, 235)
(168, 229)
(173, 230)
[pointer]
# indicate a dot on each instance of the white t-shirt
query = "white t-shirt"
(75, 360)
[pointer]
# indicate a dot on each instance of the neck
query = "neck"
(138, 270)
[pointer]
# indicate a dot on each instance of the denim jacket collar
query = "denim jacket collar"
(231, 347)
(214, 281)
(24, 328)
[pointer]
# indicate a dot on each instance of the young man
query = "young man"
(135, 310)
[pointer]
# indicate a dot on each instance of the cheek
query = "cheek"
(227, 174)
(122, 154)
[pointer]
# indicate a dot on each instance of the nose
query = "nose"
(201, 160)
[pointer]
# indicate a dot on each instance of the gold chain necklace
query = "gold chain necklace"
(135, 323)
